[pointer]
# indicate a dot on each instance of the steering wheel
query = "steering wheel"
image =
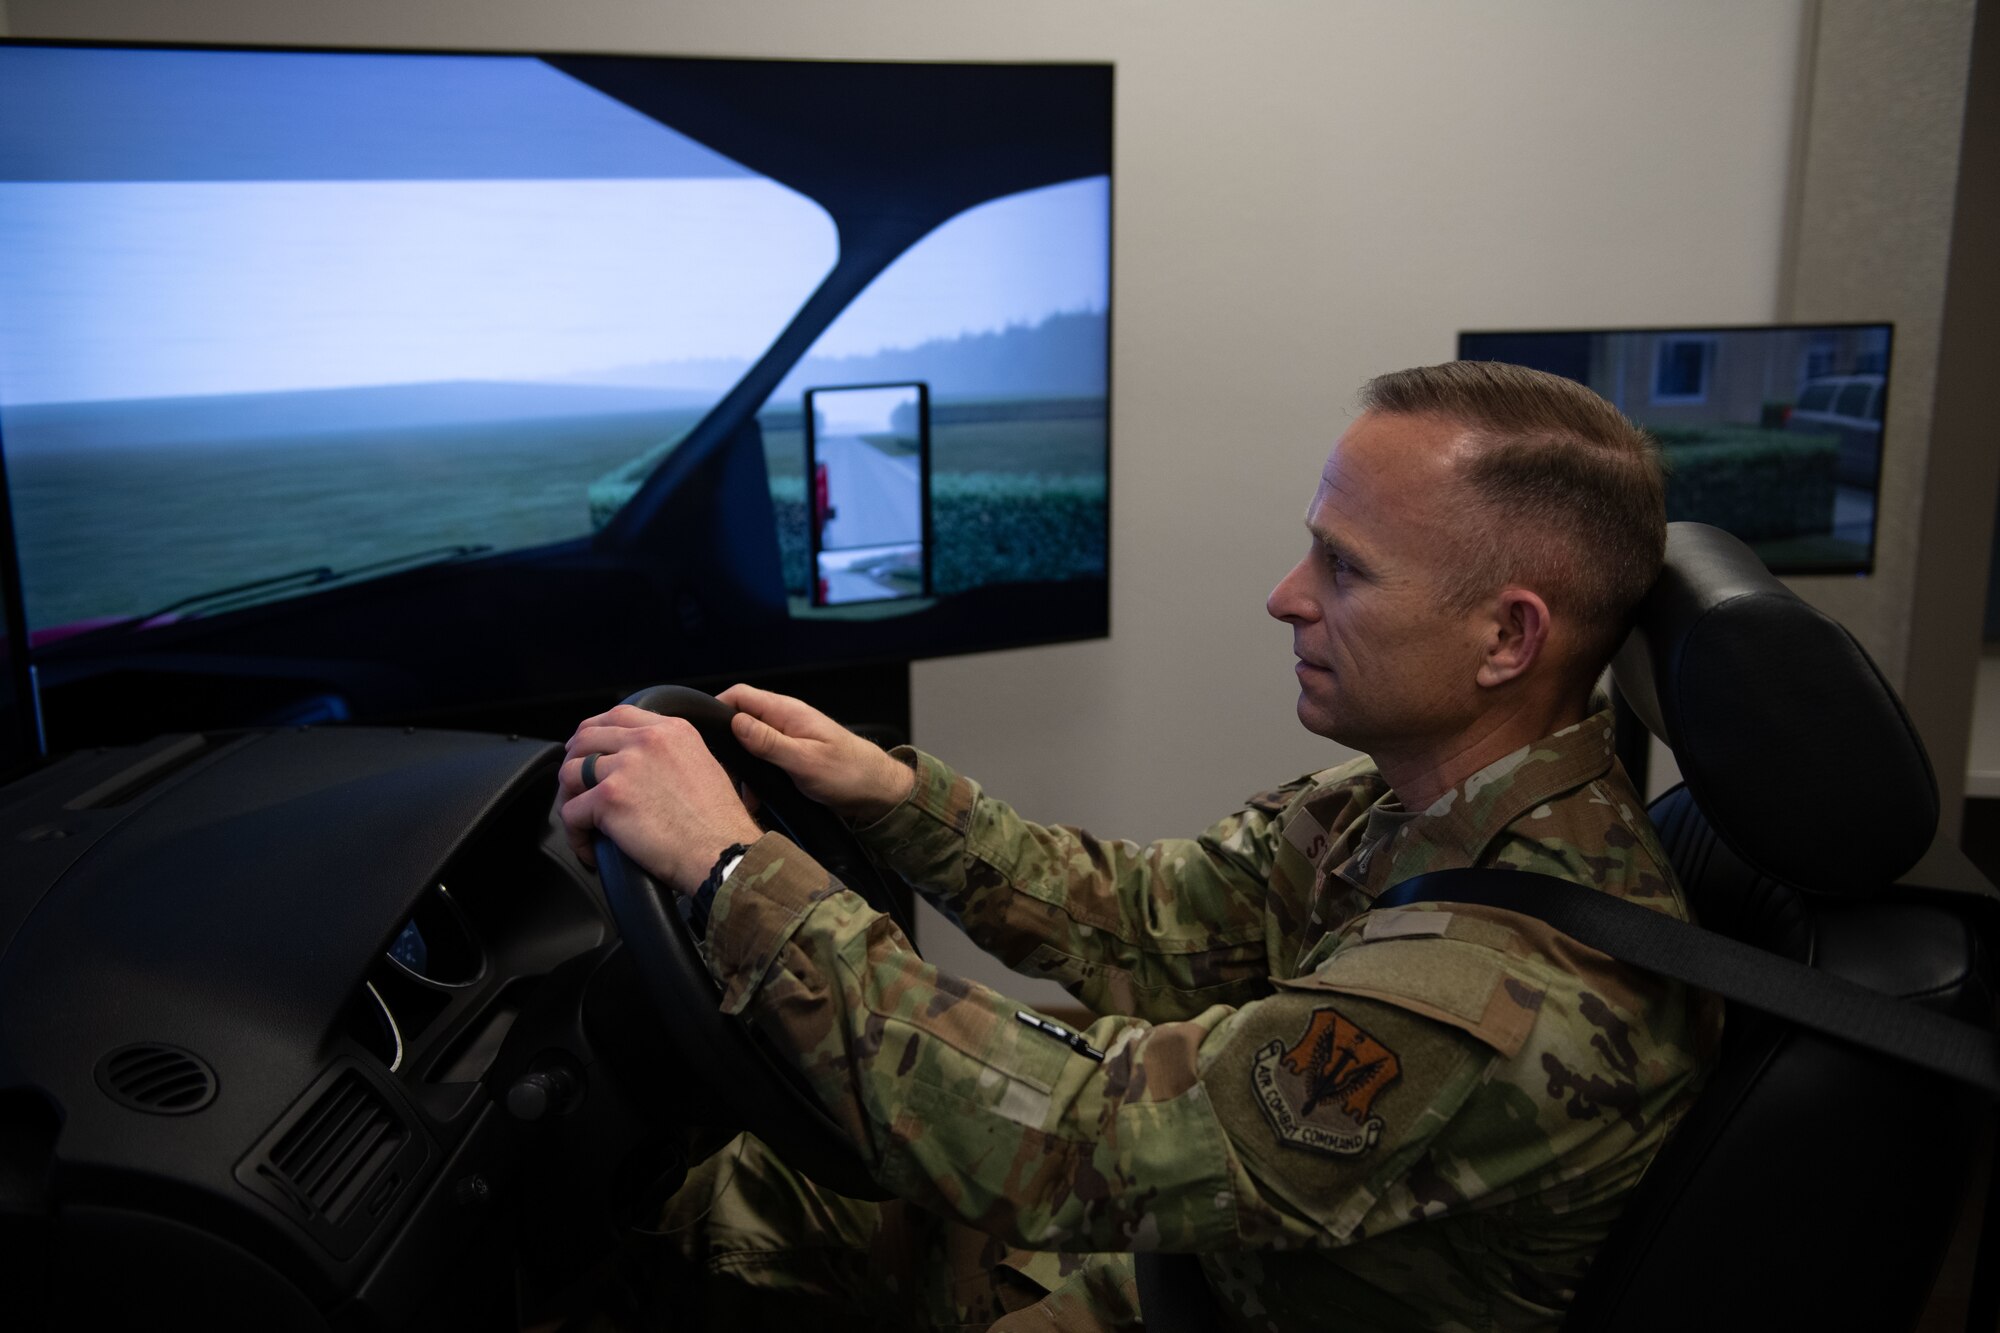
(752, 1078)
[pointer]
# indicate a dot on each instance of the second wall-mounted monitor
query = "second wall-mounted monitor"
(1772, 433)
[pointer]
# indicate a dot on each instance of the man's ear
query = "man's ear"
(1515, 637)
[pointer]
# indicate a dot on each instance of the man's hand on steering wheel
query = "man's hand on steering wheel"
(661, 812)
(853, 777)
(659, 795)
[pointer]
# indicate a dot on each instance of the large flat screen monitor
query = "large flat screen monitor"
(411, 385)
(1771, 433)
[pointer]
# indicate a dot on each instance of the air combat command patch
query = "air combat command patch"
(1318, 1092)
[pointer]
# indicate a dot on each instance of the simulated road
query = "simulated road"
(875, 498)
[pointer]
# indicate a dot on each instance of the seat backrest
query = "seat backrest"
(1813, 1184)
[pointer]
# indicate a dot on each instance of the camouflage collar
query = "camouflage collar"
(1456, 829)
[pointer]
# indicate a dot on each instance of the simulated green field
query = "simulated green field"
(122, 530)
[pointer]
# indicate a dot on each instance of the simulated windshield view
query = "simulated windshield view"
(392, 386)
(295, 347)
(1774, 434)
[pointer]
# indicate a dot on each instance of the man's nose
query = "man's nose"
(1287, 601)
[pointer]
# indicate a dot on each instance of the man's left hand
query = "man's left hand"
(660, 796)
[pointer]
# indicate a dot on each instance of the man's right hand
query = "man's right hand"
(854, 778)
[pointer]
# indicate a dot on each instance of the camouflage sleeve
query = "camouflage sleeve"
(1160, 932)
(1309, 1117)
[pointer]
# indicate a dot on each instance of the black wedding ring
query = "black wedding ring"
(590, 770)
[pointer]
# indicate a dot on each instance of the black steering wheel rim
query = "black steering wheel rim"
(751, 1077)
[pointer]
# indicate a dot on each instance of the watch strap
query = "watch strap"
(702, 900)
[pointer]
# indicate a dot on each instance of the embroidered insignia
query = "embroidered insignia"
(1307, 834)
(1318, 1093)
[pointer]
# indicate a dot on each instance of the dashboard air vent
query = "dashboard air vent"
(156, 1078)
(344, 1159)
(329, 1158)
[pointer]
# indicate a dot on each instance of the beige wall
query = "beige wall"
(1306, 193)
(1877, 175)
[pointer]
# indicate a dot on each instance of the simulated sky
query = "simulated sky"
(190, 223)
(861, 411)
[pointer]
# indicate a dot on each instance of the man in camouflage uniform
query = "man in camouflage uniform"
(1416, 1118)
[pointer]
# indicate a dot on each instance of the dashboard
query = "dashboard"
(313, 1028)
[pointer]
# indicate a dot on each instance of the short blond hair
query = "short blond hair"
(1568, 492)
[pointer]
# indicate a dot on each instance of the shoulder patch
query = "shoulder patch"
(1319, 1092)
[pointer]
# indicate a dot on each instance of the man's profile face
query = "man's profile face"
(1383, 665)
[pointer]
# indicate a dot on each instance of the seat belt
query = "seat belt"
(1835, 1006)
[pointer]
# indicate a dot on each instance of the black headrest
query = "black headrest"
(1792, 743)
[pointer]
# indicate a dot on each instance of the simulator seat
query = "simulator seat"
(1814, 1184)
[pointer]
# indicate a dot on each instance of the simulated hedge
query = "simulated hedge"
(988, 527)
(1759, 484)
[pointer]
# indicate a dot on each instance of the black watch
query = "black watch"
(698, 903)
